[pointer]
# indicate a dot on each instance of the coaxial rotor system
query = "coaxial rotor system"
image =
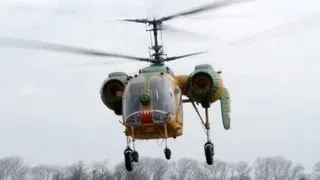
(156, 57)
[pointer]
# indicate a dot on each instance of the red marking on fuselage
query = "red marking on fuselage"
(146, 117)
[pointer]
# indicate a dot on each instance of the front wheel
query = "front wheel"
(128, 159)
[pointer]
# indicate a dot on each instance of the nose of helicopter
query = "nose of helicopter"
(146, 116)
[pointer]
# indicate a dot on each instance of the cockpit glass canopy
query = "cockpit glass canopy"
(161, 94)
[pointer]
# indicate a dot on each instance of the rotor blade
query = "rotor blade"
(137, 20)
(172, 29)
(305, 22)
(210, 6)
(79, 14)
(36, 9)
(34, 44)
(183, 56)
(191, 34)
(100, 64)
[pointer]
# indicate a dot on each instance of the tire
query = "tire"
(209, 152)
(128, 160)
(135, 156)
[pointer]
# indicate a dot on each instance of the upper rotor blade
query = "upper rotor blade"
(183, 56)
(137, 20)
(172, 29)
(286, 28)
(34, 44)
(210, 6)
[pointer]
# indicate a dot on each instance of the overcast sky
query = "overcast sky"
(51, 111)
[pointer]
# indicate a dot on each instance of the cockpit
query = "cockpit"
(148, 98)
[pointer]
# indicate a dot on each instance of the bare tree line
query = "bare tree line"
(267, 168)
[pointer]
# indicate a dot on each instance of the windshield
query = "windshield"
(162, 94)
(131, 103)
(162, 102)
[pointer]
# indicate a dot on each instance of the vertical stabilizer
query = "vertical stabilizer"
(225, 103)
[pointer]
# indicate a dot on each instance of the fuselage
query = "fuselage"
(153, 98)
(150, 100)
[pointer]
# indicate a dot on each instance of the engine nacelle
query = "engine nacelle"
(112, 90)
(204, 84)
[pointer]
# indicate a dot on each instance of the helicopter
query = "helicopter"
(150, 103)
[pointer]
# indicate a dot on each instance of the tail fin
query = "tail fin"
(225, 103)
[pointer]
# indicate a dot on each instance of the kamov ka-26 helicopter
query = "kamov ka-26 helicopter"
(151, 102)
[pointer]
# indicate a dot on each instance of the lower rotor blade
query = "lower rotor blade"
(34, 44)
(100, 64)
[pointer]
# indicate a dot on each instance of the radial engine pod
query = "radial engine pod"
(204, 83)
(112, 89)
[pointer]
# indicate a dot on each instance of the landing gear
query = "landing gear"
(128, 159)
(167, 151)
(209, 152)
(135, 156)
(208, 146)
(130, 156)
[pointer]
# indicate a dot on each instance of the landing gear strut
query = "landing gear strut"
(130, 156)
(208, 146)
(135, 154)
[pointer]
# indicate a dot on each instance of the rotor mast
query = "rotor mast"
(157, 55)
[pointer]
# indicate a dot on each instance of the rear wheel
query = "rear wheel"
(135, 156)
